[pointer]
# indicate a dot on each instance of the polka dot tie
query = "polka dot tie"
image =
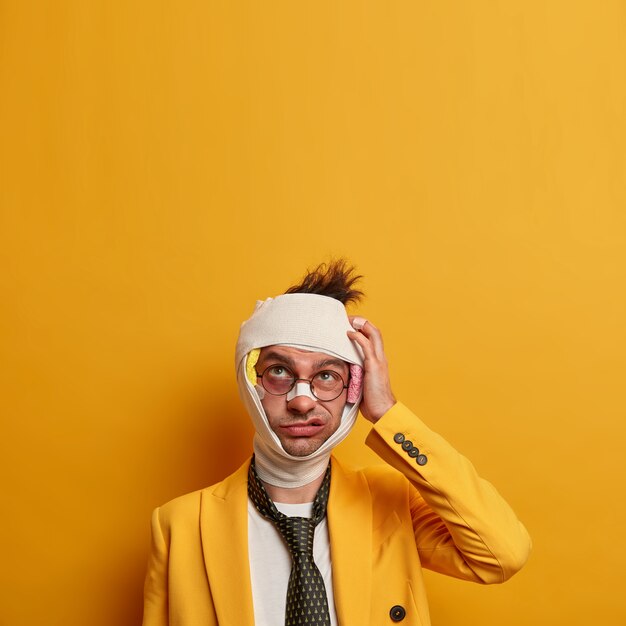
(307, 604)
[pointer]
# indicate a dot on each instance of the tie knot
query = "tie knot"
(298, 533)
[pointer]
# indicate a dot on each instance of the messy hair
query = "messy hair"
(335, 279)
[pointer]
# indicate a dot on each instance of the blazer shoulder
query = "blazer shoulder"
(187, 507)
(188, 501)
(388, 488)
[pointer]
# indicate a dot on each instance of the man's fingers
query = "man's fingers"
(371, 332)
(370, 351)
(357, 322)
(364, 342)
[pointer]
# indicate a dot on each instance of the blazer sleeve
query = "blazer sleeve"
(155, 607)
(462, 526)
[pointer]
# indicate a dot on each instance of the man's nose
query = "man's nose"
(300, 398)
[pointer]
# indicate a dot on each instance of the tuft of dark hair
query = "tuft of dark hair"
(335, 279)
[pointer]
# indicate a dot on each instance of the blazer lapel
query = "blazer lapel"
(224, 529)
(350, 529)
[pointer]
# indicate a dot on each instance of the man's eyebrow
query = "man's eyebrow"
(329, 362)
(275, 356)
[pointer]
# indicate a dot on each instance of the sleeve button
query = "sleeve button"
(414, 452)
(421, 459)
(397, 613)
(407, 445)
(398, 437)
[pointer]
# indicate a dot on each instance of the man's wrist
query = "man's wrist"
(382, 410)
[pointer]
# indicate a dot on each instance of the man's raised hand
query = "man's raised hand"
(377, 395)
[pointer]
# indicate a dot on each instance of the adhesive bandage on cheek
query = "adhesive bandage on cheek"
(301, 389)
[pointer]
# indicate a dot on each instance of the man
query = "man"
(293, 537)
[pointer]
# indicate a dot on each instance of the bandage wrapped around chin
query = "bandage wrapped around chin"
(308, 322)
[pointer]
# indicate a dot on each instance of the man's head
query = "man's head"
(302, 420)
(294, 361)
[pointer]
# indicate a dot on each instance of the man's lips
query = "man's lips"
(303, 429)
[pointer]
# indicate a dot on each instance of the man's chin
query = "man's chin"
(301, 447)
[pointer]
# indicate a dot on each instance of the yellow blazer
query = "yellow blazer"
(384, 526)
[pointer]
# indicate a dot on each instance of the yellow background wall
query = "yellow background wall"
(163, 165)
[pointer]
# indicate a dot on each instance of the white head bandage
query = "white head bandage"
(309, 322)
